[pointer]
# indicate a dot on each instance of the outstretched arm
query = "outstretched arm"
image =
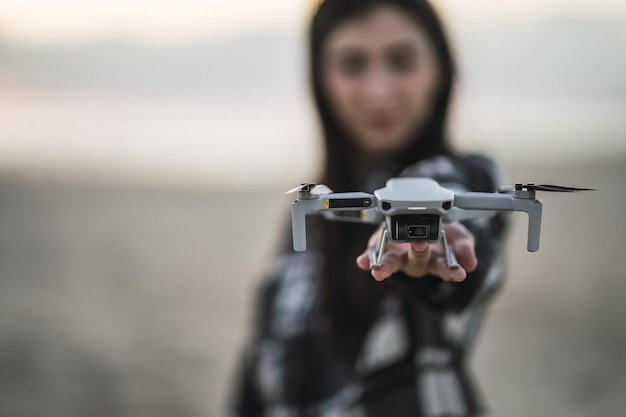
(420, 258)
(420, 267)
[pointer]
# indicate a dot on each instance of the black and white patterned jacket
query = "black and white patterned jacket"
(392, 375)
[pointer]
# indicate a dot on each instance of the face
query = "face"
(381, 77)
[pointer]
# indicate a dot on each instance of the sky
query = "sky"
(77, 108)
(44, 21)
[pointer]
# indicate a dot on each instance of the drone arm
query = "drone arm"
(370, 216)
(506, 202)
(459, 214)
(348, 201)
(343, 202)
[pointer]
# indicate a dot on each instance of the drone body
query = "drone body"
(415, 209)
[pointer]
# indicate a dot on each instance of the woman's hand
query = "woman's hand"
(420, 258)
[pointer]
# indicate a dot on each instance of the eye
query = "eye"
(353, 64)
(402, 59)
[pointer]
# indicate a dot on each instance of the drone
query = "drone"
(414, 208)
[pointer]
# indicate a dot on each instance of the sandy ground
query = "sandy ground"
(133, 301)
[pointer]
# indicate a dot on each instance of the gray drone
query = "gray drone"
(415, 209)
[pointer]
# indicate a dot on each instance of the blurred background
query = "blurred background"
(144, 148)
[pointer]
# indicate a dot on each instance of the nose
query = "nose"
(378, 87)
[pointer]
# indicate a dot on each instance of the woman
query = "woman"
(328, 339)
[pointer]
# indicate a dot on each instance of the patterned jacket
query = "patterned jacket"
(414, 358)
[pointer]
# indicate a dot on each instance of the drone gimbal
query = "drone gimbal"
(415, 209)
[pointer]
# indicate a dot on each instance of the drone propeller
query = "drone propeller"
(310, 187)
(543, 187)
(557, 188)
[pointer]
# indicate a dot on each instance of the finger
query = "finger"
(391, 262)
(440, 268)
(363, 261)
(465, 254)
(419, 245)
(457, 231)
(418, 259)
(455, 275)
(463, 243)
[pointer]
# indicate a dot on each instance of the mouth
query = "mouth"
(380, 122)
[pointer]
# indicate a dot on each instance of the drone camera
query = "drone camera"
(417, 232)
(408, 227)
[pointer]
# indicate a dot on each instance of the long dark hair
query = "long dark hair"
(350, 297)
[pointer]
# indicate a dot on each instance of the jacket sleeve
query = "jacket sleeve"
(245, 400)
(469, 173)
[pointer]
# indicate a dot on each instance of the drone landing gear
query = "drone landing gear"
(375, 253)
(449, 252)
